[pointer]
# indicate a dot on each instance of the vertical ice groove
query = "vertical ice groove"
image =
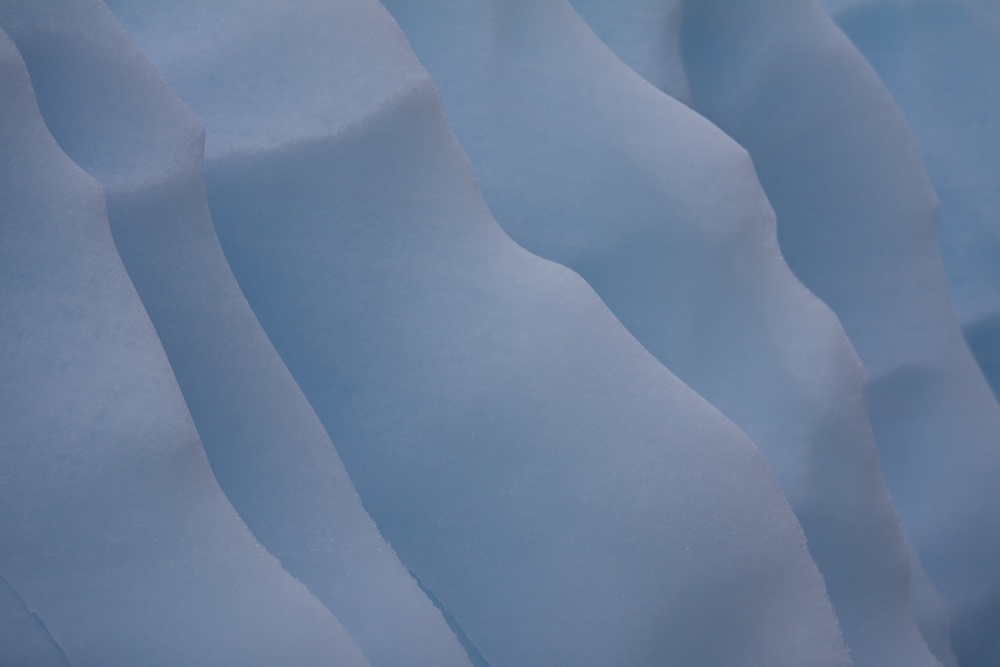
(857, 223)
(939, 59)
(475, 655)
(585, 164)
(931, 611)
(560, 492)
(646, 35)
(116, 117)
(114, 530)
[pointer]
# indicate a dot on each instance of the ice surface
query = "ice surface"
(24, 640)
(586, 164)
(552, 487)
(939, 58)
(856, 221)
(114, 531)
(116, 117)
(931, 610)
(941, 61)
(646, 35)
(566, 498)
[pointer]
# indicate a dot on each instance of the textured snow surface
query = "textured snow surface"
(290, 374)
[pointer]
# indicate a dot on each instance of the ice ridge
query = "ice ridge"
(483, 399)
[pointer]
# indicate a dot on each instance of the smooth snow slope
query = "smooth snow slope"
(856, 221)
(114, 530)
(586, 164)
(567, 499)
(116, 117)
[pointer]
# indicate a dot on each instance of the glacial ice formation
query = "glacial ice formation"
(283, 383)
(586, 164)
(115, 533)
(856, 221)
(24, 639)
(116, 117)
(940, 59)
(483, 400)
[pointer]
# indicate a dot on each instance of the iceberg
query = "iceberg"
(564, 497)
(584, 163)
(116, 117)
(115, 533)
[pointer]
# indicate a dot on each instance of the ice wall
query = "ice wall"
(111, 110)
(586, 164)
(856, 221)
(941, 62)
(276, 388)
(114, 531)
(565, 498)
(646, 35)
